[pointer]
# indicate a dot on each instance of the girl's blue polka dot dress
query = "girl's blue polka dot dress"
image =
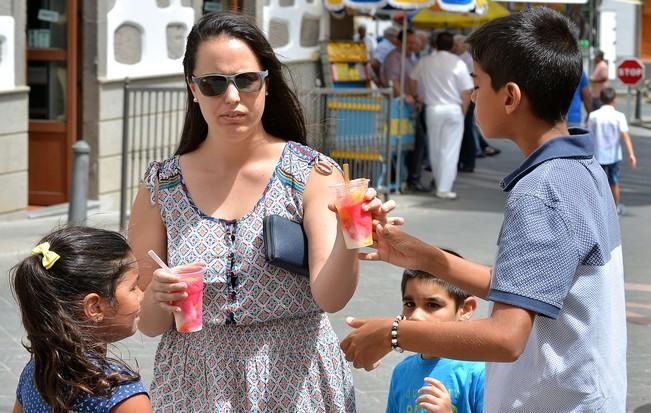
(32, 402)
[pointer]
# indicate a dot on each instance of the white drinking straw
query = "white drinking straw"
(160, 262)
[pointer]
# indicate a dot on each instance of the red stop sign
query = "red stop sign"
(630, 71)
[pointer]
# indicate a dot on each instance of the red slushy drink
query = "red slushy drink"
(190, 318)
(356, 223)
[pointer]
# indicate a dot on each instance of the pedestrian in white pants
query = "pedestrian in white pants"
(445, 132)
(447, 88)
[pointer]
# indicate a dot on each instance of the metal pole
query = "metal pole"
(78, 206)
(403, 55)
(628, 103)
(638, 104)
(387, 183)
(125, 153)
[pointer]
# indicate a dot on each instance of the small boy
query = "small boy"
(555, 339)
(457, 386)
(608, 128)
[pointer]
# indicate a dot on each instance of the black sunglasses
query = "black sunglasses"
(214, 84)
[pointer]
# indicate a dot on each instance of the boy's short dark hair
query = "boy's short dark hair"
(457, 294)
(444, 41)
(607, 95)
(538, 50)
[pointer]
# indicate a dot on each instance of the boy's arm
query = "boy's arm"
(399, 248)
(501, 338)
(626, 138)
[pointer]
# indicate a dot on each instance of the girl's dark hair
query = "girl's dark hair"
(457, 294)
(538, 50)
(282, 116)
(69, 360)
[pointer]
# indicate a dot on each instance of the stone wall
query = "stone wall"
(124, 48)
(13, 106)
(143, 41)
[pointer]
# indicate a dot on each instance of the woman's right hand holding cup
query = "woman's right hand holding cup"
(166, 288)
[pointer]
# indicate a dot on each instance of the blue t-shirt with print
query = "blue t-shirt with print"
(31, 400)
(464, 380)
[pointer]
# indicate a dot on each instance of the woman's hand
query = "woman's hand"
(434, 397)
(380, 211)
(166, 287)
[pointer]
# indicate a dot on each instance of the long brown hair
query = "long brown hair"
(69, 360)
(282, 116)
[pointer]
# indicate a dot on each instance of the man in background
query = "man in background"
(369, 41)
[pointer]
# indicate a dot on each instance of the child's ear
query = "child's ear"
(94, 307)
(466, 310)
(512, 98)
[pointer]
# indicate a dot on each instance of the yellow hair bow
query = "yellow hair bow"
(49, 257)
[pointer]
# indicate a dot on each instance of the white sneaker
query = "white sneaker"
(446, 195)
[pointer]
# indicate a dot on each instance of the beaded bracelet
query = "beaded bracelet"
(394, 334)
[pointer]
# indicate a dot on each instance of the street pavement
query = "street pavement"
(468, 225)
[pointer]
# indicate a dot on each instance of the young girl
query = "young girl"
(77, 292)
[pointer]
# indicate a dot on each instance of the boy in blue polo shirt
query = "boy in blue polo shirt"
(555, 339)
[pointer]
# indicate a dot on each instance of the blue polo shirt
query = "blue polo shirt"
(559, 256)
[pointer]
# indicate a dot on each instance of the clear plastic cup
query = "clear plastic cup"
(190, 318)
(357, 224)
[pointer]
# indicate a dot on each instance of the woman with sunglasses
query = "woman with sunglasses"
(266, 343)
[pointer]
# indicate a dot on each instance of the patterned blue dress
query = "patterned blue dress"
(32, 402)
(265, 346)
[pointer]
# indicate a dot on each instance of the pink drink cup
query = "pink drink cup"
(357, 225)
(190, 318)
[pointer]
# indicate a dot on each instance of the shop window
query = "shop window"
(47, 92)
(46, 24)
(214, 5)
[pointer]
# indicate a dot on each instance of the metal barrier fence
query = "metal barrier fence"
(152, 121)
(358, 126)
(362, 127)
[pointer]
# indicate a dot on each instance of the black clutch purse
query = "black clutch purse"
(285, 244)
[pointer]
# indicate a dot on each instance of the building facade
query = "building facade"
(63, 64)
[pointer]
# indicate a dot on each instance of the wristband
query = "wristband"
(394, 334)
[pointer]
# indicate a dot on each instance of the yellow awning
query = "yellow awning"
(433, 17)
